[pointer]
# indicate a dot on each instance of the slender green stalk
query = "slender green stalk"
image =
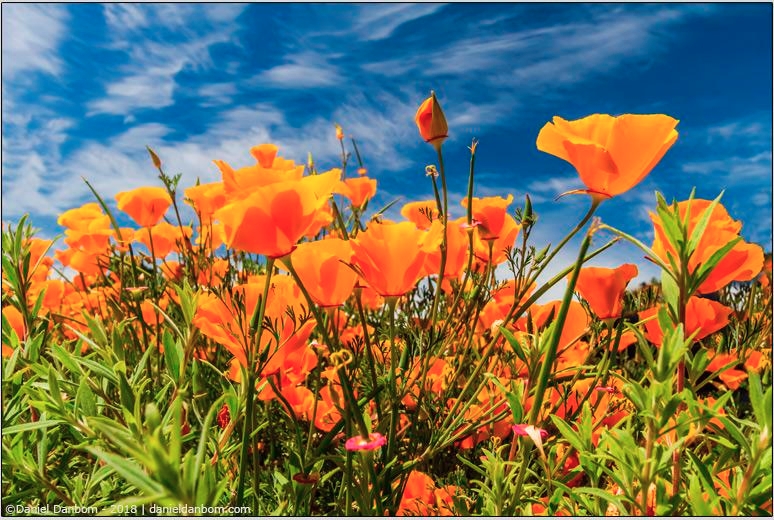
(550, 355)
(256, 321)
(444, 241)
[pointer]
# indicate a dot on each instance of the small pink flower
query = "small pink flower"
(526, 430)
(608, 389)
(358, 443)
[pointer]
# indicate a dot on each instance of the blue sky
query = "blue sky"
(86, 86)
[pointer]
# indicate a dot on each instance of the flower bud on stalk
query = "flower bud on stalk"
(431, 122)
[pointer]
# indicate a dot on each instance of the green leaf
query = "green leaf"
(761, 402)
(129, 470)
(127, 394)
(699, 505)
(25, 427)
(698, 231)
(172, 355)
(568, 433)
(703, 271)
(670, 290)
(514, 343)
(85, 401)
(53, 386)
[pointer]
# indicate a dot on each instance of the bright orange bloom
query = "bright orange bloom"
(390, 256)
(489, 215)
(86, 263)
(357, 190)
(269, 169)
(145, 205)
(38, 247)
(206, 199)
(604, 288)
(742, 263)
(702, 315)
(82, 217)
(421, 497)
(575, 325)
(214, 274)
(611, 154)
(421, 213)
(322, 218)
(163, 238)
(88, 228)
(431, 121)
(16, 321)
(732, 377)
(505, 239)
(322, 268)
(273, 218)
(457, 243)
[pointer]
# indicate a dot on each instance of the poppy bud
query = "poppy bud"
(154, 158)
(431, 121)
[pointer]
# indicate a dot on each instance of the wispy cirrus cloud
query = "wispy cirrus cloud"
(31, 38)
(300, 71)
(182, 38)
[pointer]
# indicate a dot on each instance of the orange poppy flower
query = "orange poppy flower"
(268, 170)
(145, 205)
(357, 190)
(213, 274)
(611, 154)
(457, 244)
(86, 263)
(390, 256)
(702, 315)
(88, 228)
(80, 218)
(421, 213)
(163, 238)
(743, 262)
(732, 377)
(604, 288)
(575, 325)
(505, 239)
(16, 321)
(421, 497)
(273, 218)
(322, 268)
(206, 199)
(431, 121)
(38, 247)
(489, 215)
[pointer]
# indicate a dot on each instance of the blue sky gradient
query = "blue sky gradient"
(86, 86)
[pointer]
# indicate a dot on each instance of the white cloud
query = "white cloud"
(736, 169)
(181, 37)
(302, 71)
(31, 37)
(371, 21)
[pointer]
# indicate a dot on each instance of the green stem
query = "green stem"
(256, 321)
(550, 356)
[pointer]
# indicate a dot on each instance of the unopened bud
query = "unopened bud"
(154, 158)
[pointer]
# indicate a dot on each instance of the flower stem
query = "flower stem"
(256, 321)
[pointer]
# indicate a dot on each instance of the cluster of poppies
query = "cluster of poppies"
(288, 213)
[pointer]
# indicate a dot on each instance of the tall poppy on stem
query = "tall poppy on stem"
(611, 154)
(390, 256)
(145, 205)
